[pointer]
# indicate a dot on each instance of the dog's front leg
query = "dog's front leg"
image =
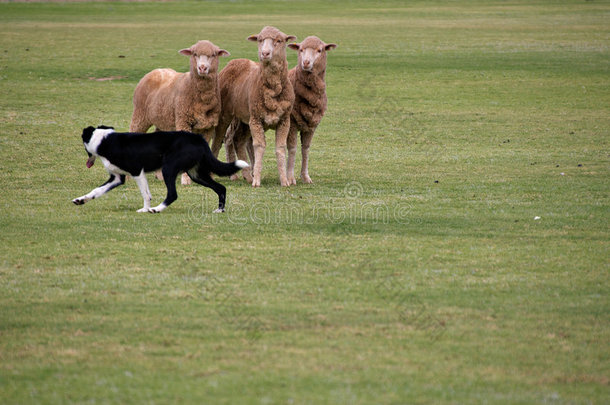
(115, 180)
(144, 190)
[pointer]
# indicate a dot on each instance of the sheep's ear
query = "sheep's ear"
(290, 38)
(294, 46)
(185, 52)
(222, 52)
(329, 47)
(253, 38)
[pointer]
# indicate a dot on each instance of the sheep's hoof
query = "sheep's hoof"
(306, 179)
(291, 180)
(247, 174)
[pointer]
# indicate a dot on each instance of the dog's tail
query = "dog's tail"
(225, 169)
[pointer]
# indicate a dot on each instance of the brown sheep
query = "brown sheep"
(260, 95)
(173, 101)
(308, 80)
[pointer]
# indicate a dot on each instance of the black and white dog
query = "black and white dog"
(134, 154)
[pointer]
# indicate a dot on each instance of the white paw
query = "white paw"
(219, 210)
(79, 201)
(144, 209)
(157, 209)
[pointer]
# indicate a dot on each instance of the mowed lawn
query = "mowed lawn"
(453, 249)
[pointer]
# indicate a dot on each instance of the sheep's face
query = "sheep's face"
(204, 57)
(271, 44)
(312, 53)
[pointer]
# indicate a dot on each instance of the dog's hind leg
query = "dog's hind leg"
(207, 181)
(144, 190)
(115, 180)
(169, 177)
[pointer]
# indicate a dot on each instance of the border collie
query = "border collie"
(134, 154)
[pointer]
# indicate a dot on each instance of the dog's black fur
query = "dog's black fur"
(127, 153)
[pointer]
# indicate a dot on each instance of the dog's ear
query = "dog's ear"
(87, 134)
(104, 127)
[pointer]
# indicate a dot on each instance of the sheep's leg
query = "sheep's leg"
(185, 180)
(250, 150)
(281, 134)
(259, 144)
(231, 153)
(292, 151)
(138, 123)
(219, 136)
(243, 143)
(230, 140)
(306, 137)
(230, 148)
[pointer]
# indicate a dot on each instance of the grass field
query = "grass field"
(454, 248)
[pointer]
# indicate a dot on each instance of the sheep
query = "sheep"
(173, 101)
(308, 109)
(308, 79)
(260, 95)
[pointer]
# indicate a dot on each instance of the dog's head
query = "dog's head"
(87, 135)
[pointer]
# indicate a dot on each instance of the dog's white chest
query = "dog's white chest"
(112, 168)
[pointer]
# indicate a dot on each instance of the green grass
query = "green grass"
(412, 271)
